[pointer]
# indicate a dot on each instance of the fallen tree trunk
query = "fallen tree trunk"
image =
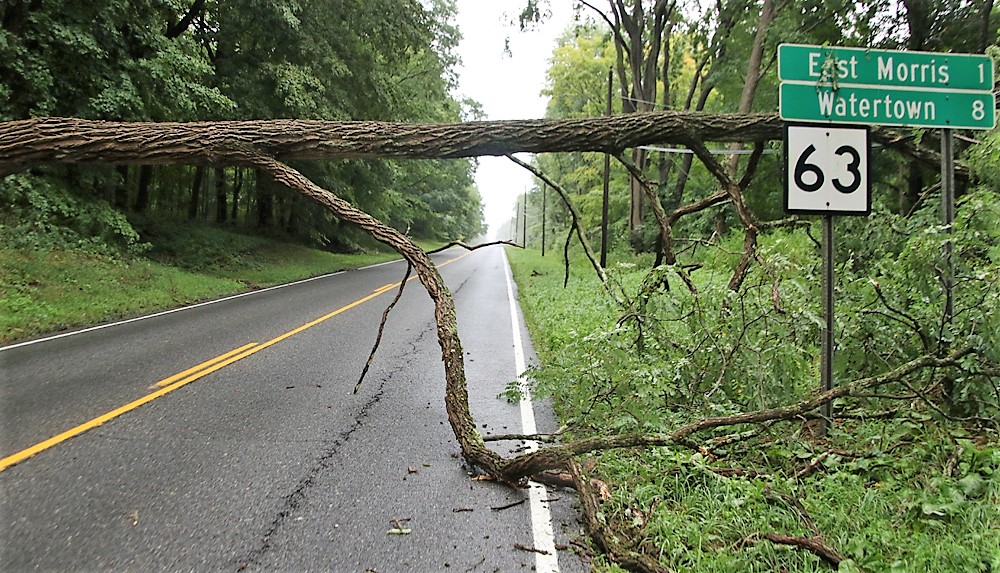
(71, 140)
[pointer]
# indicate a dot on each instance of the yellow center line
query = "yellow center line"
(190, 375)
(203, 365)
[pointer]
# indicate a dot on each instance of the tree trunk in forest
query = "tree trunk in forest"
(265, 207)
(918, 20)
(984, 27)
(221, 210)
(913, 187)
(142, 189)
(196, 185)
(237, 185)
(638, 85)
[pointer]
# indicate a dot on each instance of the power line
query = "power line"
(712, 151)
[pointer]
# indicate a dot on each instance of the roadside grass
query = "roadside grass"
(50, 289)
(914, 493)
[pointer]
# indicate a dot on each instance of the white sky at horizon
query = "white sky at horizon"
(507, 86)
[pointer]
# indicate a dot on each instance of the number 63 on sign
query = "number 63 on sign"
(826, 169)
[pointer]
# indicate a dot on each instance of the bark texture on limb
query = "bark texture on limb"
(69, 140)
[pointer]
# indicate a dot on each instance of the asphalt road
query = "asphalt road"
(269, 462)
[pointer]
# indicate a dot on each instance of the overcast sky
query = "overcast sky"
(507, 86)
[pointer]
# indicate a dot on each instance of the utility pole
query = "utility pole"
(516, 221)
(607, 183)
(544, 187)
(524, 223)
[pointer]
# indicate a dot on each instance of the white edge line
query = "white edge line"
(171, 311)
(541, 518)
(379, 264)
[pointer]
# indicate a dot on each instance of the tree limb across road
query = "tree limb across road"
(28, 142)
(71, 140)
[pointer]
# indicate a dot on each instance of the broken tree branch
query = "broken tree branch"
(601, 532)
(71, 140)
(468, 247)
(735, 192)
(456, 387)
(815, 545)
(666, 235)
(558, 456)
(28, 142)
(574, 215)
(381, 327)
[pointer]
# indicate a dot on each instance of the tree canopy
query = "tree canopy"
(207, 60)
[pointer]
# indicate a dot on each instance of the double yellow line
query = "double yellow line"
(180, 379)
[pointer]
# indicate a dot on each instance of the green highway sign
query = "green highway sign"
(887, 106)
(886, 68)
(884, 87)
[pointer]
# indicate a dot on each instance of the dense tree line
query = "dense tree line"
(207, 60)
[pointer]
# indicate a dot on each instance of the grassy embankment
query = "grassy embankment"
(51, 289)
(914, 492)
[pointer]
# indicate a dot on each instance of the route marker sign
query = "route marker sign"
(827, 170)
(885, 87)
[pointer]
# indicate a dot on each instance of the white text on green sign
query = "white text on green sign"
(884, 68)
(887, 106)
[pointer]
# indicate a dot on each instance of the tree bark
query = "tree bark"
(70, 140)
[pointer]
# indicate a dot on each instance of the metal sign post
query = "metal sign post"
(826, 361)
(826, 171)
(947, 219)
(607, 184)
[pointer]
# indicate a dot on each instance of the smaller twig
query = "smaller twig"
(815, 545)
(574, 219)
(381, 328)
(790, 222)
(476, 565)
(738, 472)
(910, 321)
(772, 494)
(531, 549)
(522, 437)
(723, 441)
(927, 400)
(956, 456)
(509, 505)
(473, 247)
(812, 466)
